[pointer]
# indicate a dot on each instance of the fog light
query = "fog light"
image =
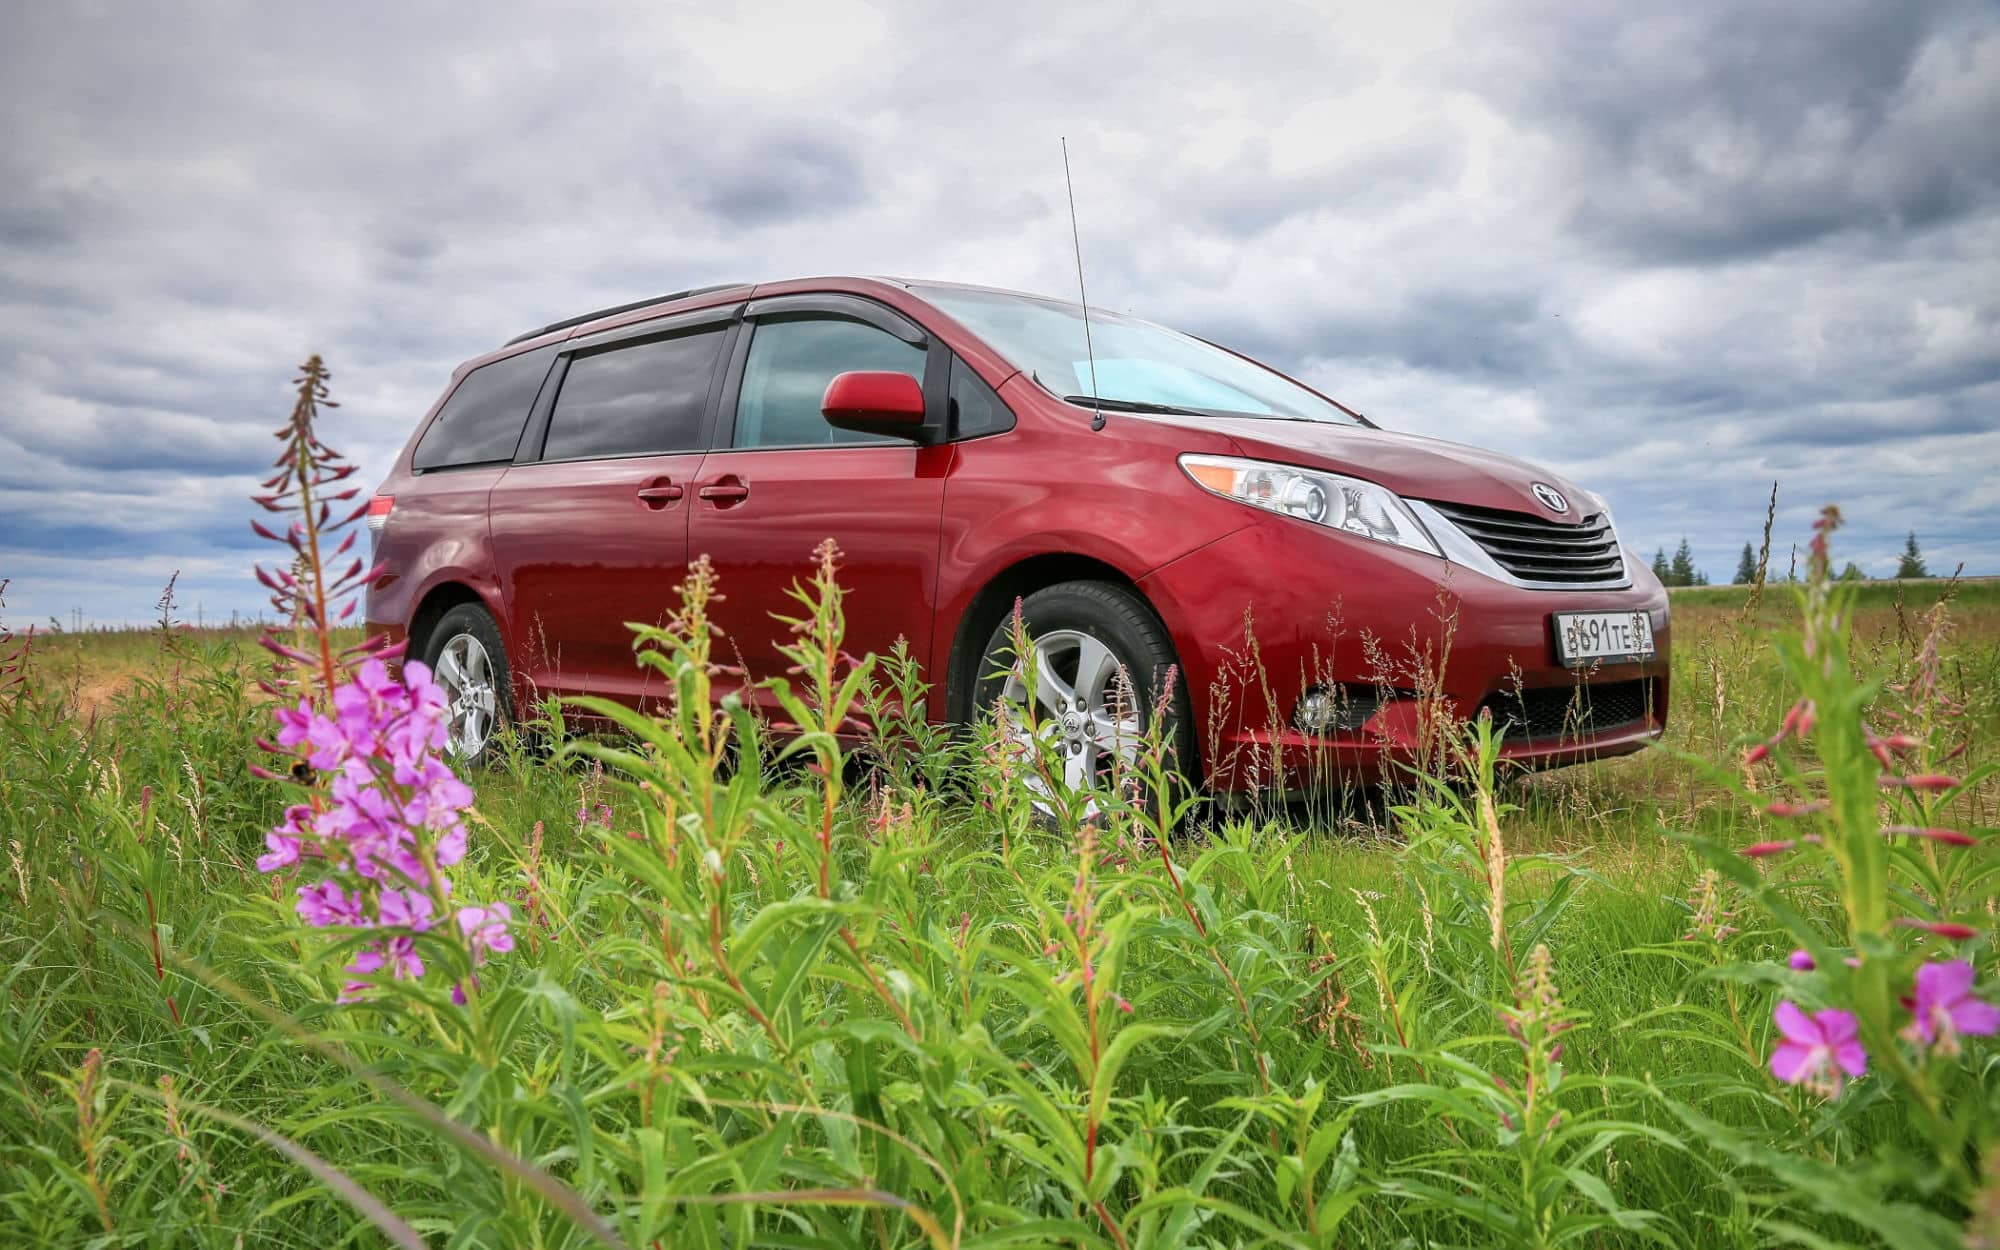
(1317, 712)
(1340, 708)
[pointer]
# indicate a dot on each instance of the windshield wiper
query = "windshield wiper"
(1143, 405)
(1133, 405)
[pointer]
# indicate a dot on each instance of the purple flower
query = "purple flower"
(485, 928)
(326, 905)
(426, 727)
(404, 909)
(437, 797)
(1944, 1008)
(1817, 1049)
(294, 723)
(370, 823)
(398, 955)
(450, 847)
(283, 853)
(391, 816)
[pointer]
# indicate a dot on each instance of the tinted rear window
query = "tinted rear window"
(645, 399)
(481, 422)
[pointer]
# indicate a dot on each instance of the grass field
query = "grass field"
(821, 1004)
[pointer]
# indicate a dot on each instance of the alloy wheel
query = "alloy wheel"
(466, 673)
(1082, 706)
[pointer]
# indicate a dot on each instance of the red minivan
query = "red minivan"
(1313, 587)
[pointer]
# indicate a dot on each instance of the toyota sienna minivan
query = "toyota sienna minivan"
(1305, 582)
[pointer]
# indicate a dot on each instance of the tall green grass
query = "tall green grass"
(768, 993)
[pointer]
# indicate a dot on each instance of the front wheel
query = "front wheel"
(470, 662)
(1100, 661)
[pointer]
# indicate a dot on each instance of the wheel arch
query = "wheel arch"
(990, 605)
(438, 600)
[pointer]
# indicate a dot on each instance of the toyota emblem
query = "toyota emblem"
(1551, 497)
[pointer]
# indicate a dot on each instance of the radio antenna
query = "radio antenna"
(1076, 240)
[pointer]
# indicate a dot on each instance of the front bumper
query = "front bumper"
(1277, 609)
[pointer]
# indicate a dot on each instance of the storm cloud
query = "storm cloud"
(1676, 253)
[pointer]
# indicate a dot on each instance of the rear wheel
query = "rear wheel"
(470, 662)
(1101, 659)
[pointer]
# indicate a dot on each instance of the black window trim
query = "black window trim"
(937, 365)
(534, 441)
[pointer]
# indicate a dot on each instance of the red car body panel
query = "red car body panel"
(879, 503)
(935, 538)
(570, 541)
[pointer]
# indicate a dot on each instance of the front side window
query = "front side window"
(481, 422)
(645, 399)
(1136, 362)
(785, 378)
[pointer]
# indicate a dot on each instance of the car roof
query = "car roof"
(695, 298)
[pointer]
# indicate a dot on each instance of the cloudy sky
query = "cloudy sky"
(1678, 251)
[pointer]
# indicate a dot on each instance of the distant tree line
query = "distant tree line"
(1679, 571)
(1909, 564)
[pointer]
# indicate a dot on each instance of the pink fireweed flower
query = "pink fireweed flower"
(485, 929)
(398, 956)
(1819, 1051)
(437, 795)
(283, 851)
(1758, 850)
(1944, 1008)
(326, 906)
(388, 821)
(404, 909)
(370, 703)
(423, 725)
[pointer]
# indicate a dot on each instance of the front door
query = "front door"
(781, 481)
(593, 533)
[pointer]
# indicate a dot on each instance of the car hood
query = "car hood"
(1409, 464)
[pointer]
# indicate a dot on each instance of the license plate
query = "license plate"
(1584, 638)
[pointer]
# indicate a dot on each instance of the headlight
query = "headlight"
(1342, 503)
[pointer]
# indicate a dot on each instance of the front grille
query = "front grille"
(1570, 712)
(1535, 550)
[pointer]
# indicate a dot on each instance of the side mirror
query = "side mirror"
(875, 403)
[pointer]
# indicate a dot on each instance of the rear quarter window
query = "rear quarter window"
(481, 422)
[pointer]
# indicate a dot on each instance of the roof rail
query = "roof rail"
(634, 306)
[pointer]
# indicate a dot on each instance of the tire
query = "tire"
(464, 642)
(1063, 621)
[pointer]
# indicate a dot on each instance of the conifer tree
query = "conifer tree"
(1912, 562)
(1746, 568)
(1682, 571)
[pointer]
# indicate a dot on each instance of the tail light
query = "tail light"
(379, 509)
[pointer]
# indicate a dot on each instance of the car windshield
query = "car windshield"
(1138, 364)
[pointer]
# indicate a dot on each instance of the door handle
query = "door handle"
(657, 495)
(727, 492)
